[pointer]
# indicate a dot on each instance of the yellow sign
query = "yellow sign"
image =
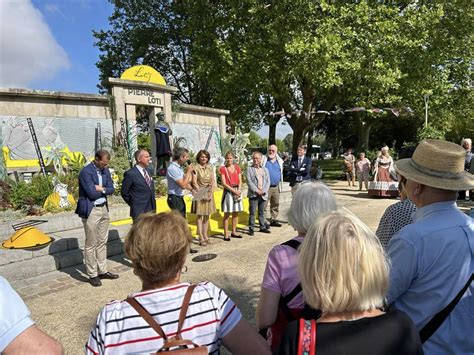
(143, 73)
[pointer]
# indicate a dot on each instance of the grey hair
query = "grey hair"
(467, 141)
(179, 152)
(310, 200)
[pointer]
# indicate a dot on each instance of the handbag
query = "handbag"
(306, 337)
(175, 344)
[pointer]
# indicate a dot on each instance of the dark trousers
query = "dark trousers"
(177, 203)
(254, 203)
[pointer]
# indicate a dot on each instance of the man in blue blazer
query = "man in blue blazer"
(138, 189)
(95, 184)
(300, 168)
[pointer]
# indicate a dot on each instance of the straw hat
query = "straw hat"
(438, 164)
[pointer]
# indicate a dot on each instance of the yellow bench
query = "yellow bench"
(215, 221)
(30, 163)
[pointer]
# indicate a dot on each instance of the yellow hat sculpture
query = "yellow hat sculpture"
(27, 237)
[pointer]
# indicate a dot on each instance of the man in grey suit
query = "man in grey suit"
(258, 181)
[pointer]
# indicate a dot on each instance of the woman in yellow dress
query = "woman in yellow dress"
(203, 206)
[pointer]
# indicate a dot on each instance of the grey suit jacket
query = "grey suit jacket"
(253, 183)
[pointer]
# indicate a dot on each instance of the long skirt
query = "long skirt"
(383, 185)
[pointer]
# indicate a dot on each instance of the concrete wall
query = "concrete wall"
(52, 110)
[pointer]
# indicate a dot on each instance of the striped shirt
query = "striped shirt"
(120, 329)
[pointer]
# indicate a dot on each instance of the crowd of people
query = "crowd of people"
(335, 288)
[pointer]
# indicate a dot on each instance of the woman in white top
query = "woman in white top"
(158, 245)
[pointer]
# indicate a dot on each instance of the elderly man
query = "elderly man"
(95, 184)
(433, 258)
(466, 143)
(258, 183)
(138, 189)
(274, 164)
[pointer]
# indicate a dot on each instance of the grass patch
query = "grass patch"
(332, 168)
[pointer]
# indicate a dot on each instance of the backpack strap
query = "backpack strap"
(306, 337)
(147, 317)
(184, 310)
(432, 326)
(283, 303)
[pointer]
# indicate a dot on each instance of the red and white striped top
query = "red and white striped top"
(120, 329)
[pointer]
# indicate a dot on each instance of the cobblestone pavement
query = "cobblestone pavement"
(66, 306)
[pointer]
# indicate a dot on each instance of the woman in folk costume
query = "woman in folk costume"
(385, 183)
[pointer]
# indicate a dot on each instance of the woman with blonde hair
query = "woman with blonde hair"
(231, 204)
(281, 299)
(344, 274)
(158, 245)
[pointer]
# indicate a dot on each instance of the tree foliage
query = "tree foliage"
(304, 57)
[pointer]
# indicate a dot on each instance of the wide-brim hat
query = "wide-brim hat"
(438, 164)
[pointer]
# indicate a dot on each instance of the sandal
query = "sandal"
(235, 235)
(227, 239)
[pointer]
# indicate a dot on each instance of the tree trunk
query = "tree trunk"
(309, 143)
(363, 136)
(272, 132)
(298, 134)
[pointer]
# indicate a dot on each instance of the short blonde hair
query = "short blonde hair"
(309, 201)
(157, 245)
(342, 265)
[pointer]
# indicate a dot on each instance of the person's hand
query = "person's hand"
(190, 169)
(259, 192)
(237, 192)
(99, 188)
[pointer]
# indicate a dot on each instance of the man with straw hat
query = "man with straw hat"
(433, 258)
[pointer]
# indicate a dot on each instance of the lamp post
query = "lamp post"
(426, 98)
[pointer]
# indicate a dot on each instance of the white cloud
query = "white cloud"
(28, 50)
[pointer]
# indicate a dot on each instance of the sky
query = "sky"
(48, 45)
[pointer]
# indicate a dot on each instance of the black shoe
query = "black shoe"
(108, 276)
(193, 251)
(275, 224)
(251, 233)
(95, 281)
(267, 225)
(267, 231)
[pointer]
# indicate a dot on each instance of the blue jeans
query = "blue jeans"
(254, 203)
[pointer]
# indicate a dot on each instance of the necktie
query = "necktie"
(147, 178)
(300, 162)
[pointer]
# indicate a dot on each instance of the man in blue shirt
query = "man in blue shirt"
(178, 181)
(433, 258)
(18, 332)
(274, 164)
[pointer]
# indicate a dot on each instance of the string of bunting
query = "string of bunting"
(339, 111)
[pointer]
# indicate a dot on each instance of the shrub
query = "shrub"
(34, 193)
(160, 187)
(5, 191)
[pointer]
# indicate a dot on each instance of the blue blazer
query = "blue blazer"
(137, 194)
(88, 178)
(302, 173)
